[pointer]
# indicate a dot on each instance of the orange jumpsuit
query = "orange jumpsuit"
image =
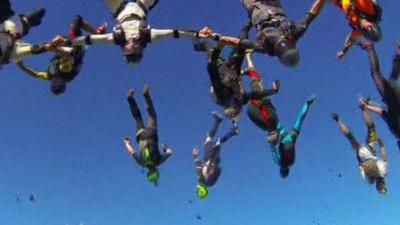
(353, 8)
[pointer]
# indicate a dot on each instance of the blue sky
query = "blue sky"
(69, 152)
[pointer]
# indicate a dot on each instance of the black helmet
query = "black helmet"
(287, 52)
(373, 34)
(57, 86)
(284, 171)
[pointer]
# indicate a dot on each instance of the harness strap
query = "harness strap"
(263, 110)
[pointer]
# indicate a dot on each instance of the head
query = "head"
(284, 171)
(153, 176)
(370, 30)
(202, 191)
(287, 52)
(381, 186)
(211, 174)
(133, 51)
(57, 86)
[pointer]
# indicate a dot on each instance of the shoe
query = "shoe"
(335, 117)
(130, 93)
(146, 90)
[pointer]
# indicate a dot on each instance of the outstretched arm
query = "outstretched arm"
(167, 153)
(310, 16)
(346, 132)
(351, 39)
(36, 74)
(132, 151)
(396, 64)
(382, 149)
(159, 34)
(107, 38)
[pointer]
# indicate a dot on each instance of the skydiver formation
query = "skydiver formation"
(276, 36)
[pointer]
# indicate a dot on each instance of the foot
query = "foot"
(217, 117)
(366, 44)
(235, 130)
(102, 28)
(335, 117)
(130, 93)
(311, 99)
(146, 90)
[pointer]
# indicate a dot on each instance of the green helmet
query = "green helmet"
(202, 191)
(153, 176)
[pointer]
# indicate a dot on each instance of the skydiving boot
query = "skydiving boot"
(32, 19)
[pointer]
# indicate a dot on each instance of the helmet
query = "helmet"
(202, 191)
(380, 186)
(153, 176)
(133, 51)
(284, 171)
(287, 52)
(57, 86)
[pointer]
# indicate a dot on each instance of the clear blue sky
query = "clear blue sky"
(69, 152)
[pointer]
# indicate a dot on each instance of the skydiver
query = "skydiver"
(67, 61)
(209, 170)
(226, 86)
(372, 169)
(276, 35)
(387, 88)
(132, 31)
(364, 17)
(263, 114)
(146, 137)
(12, 28)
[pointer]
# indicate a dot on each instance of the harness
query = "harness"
(263, 110)
(146, 157)
(144, 34)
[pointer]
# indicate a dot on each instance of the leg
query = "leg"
(115, 5)
(347, 133)
(396, 64)
(79, 23)
(227, 136)
(217, 121)
(152, 120)
(244, 32)
(302, 114)
(135, 111)
(5, 10)
(32, 19)
(200, 45)
(379, 80)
